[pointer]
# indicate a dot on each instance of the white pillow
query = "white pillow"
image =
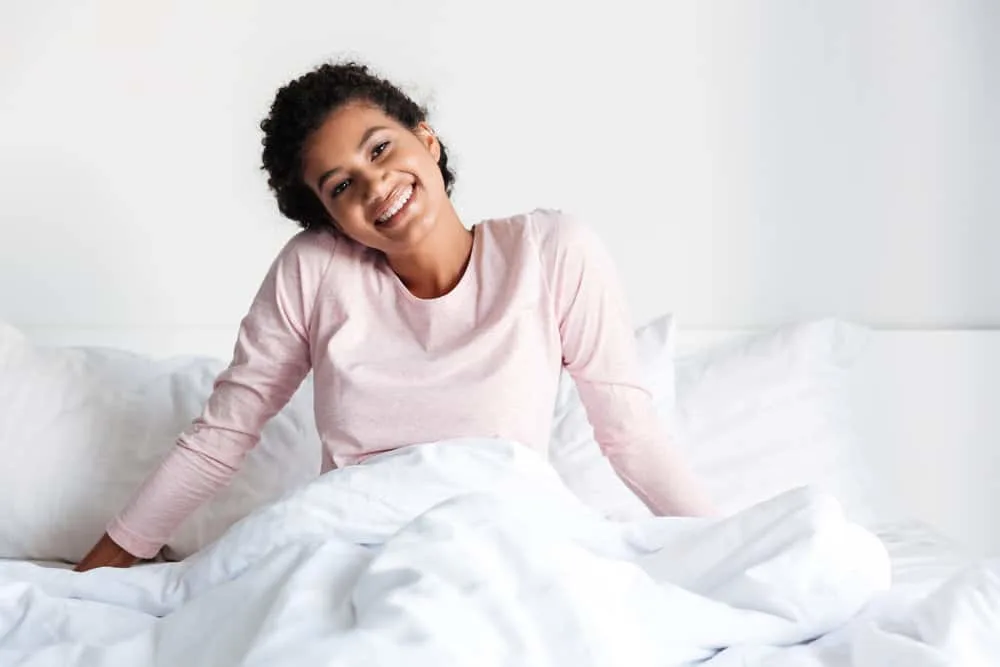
(80, 428)
(574, 453)
(770, 412)
(754, 417)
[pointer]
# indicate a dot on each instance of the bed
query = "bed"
(823, 404)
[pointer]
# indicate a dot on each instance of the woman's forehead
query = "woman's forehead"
(351, 121)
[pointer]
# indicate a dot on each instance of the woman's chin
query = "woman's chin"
(410, 230)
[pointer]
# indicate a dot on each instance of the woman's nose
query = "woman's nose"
(376, 186)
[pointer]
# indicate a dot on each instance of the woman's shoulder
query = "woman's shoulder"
(310, 244)
(304, 261)
(312, 251)
(563, 247)
(546, 230)
(554, 234)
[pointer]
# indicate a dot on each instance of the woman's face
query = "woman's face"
(378, 179)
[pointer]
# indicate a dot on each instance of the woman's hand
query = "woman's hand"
(106, 553)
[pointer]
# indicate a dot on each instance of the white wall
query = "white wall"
(748, 162)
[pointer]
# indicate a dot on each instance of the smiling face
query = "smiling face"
(378, 179)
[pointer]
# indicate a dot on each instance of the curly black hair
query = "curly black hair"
(298, 110)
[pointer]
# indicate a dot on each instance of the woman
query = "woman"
(403, 312)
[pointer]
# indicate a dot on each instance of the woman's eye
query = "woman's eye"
(378, 149)
(340, 187)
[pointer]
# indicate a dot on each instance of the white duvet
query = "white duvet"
(471, 552)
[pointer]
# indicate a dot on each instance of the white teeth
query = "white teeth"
(398, 204)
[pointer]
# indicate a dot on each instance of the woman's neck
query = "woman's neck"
(437, 266)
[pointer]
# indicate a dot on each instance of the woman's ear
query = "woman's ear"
(429, 139)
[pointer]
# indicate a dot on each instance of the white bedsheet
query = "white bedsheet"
(472, 552)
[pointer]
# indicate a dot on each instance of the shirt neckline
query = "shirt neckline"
(465, 279)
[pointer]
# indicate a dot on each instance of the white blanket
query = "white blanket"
(471, 552)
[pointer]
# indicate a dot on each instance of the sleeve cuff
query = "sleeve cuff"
(134, 544)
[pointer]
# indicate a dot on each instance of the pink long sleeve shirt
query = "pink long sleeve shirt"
(391, 369)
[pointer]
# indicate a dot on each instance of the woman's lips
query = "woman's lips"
(401, 203)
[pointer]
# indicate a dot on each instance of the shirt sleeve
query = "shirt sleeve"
(270, 359)
(599, 352)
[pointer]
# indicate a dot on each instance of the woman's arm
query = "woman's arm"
(270, 360)
(600, 354)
